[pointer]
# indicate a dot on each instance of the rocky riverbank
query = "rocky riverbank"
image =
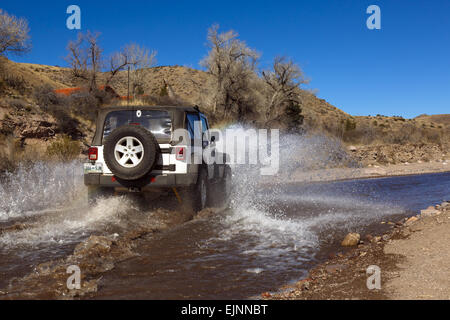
(414, 259)
(373, 171)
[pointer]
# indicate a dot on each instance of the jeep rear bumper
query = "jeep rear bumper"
(157, 181)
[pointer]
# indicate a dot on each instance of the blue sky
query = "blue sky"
(402, 69)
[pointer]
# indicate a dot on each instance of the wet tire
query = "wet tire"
(96, 193)
(197, 198)
(222, 190)
(130, 152)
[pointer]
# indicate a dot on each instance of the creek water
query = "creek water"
(267, 237)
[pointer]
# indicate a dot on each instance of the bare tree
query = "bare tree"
(283, 83)
(85, 58)
(118, 61)
(138, 59)
(232, 65)
(14, 34)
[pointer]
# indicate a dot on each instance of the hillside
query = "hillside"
(435, 118)
(189, 85)
(21, 115)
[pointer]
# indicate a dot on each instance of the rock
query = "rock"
(430, 211)
(304, 284)
(369, 237)
(352, 148)
(411, 220)
(445, 204)
(97, 245)
(386, 237)
(351, 239)
(376, 239)
(333, 268)
(266, 295)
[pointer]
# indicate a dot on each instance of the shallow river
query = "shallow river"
(268, 236)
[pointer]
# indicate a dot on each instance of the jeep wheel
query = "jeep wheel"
(197, 198)
(222, 189)
(130, 152)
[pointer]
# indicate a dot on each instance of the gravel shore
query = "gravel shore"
(376, 171)
(414, 259)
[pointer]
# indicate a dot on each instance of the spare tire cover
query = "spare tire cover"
(130, 152)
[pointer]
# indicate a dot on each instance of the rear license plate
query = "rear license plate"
(93, 168)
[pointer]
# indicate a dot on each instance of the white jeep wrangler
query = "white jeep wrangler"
(142, 149)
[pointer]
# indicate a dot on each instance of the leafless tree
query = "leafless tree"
(14, 34)
(232, 65)
(138, 59)
(86, 61)
(85, 58)
(117, 62)
(283, 82)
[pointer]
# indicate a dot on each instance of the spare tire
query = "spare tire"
(130, 152)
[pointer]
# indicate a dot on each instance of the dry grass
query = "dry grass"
(132, 102)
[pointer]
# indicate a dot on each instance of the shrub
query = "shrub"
(64, 149)
(66, 124)
(17, 104)
(350, 125)
(86, 104)
(46, 96)
(13, 81)
(294, 118)
(163, 92)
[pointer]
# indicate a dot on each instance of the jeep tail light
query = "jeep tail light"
(180, 153)
(93, 154)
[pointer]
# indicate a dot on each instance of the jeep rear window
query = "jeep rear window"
(157, 122)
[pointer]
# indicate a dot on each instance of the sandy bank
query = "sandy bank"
(414, 259)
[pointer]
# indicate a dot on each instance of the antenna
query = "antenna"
(128, 85)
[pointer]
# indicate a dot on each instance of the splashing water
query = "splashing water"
(280, 223)
(69, 225)
(38, 187)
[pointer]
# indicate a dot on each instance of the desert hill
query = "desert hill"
(189, 85)
(22, 116)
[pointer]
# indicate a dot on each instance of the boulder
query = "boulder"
(411, 220)
(430, 211)
(351, 239)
